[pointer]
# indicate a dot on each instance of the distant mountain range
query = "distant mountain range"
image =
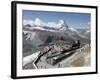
(39, 24)
(38, 32)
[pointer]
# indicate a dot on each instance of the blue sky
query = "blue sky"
(76, 20)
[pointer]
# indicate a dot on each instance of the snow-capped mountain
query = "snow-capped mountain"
(49, 26)
(38, 32)
(76, 32)
(62, 25)
(38, 24)
(73, 30)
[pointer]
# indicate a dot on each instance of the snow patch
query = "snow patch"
(30, 58)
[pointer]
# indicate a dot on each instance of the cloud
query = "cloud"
(25, 22)
(40, 23)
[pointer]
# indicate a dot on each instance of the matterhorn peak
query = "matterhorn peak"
(62, 25)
